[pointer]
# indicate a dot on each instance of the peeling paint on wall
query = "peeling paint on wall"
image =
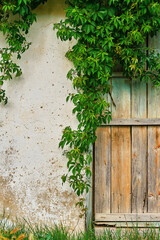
(31, 164)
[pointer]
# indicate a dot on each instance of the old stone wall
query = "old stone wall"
(31, 124)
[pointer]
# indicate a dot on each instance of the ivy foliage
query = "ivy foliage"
(16, 17)
(107, 33)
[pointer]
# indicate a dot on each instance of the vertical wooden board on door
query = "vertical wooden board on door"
(154, 169)
(154, 140)
(154, 42)
(121, 170)
(102, 170)
(139, 169)
(153, 101)
(121, 89)
(139, 99)
(154, 92)
(139, 149)
(121, 158)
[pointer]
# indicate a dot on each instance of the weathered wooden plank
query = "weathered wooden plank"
(154, 142)
(102, 170)
(127, 217)
(139, 149)
(134, 122)
(138, 100)
(154, 42)
(128, 224)
(139, 169)
(153, 101)
(154, 92)
(121, 97)
(154, 169)
(121, 169)
(121, 158)
(108, 100)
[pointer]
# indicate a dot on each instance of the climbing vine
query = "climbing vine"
(16, 17)
(107, 33)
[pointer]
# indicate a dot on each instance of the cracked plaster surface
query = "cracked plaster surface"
(31, 126)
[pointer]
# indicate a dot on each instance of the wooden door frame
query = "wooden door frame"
(90, 199)
(90, 195)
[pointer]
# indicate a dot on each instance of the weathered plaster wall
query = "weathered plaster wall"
(31, 126)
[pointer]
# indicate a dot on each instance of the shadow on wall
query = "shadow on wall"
(52, 7)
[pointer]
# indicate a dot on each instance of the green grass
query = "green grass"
(19, 231)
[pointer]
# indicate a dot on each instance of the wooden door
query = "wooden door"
(127, 157)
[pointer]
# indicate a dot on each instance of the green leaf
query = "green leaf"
(64, 178)
(67, 99)
(74, 171)
(19, 2)
(18, 74)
